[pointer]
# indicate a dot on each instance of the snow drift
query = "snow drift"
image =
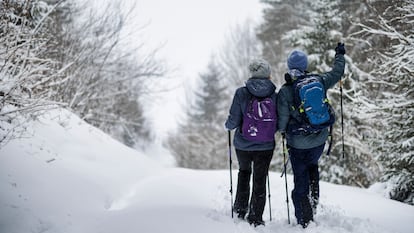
(65, 176)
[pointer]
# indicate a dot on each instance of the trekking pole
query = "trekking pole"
(285, 167)
(286, 186)
(231, 178)
(268, 187)
(342, 119)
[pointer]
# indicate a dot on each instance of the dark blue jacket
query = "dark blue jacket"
(260, 87)
(285, 102)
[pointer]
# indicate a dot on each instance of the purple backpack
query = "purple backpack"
(259, 120)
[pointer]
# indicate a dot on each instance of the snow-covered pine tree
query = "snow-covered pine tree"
(200, 142)
(225, 72)
(318, 36)
(279, 17)
(329, 19)
(389, 36)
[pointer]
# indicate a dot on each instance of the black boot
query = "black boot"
(243, 193)
(252, 220)
(306, 212)
(257, 204)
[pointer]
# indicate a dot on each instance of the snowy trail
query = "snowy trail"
(69, 177)
(181, 200)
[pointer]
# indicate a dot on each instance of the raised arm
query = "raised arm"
(332, 77)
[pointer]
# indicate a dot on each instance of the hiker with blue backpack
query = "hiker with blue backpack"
(304, 119)
(253, 115)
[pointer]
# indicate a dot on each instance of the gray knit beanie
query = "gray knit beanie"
(259, 68)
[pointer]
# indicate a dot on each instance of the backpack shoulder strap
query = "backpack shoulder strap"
(321, 80)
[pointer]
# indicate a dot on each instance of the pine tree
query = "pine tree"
(321, 39)
(378, 100)
(318, 37)
(200, 142)
(389, 34)
(280, 17)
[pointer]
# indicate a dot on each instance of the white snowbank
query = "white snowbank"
(69, 177)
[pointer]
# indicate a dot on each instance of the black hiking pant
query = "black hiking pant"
(259, 162)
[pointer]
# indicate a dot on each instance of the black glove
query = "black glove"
(340, 48)
(288, 78)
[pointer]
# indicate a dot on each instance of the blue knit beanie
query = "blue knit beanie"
(297, 60)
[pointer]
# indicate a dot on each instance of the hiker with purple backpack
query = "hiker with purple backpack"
(253, 115)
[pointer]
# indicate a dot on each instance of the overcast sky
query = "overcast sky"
(190, 31)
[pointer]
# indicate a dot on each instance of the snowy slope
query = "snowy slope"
(69, 177)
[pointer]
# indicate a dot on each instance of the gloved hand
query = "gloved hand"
(340, 48)
(288, 78)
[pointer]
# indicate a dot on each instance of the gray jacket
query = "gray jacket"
(260, 87)
(285, 102)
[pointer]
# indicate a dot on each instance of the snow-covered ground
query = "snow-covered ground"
(66, 176)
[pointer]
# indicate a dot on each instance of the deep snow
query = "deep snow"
(66, 176)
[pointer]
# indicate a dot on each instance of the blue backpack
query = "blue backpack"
(314, 111)
(260, 120)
